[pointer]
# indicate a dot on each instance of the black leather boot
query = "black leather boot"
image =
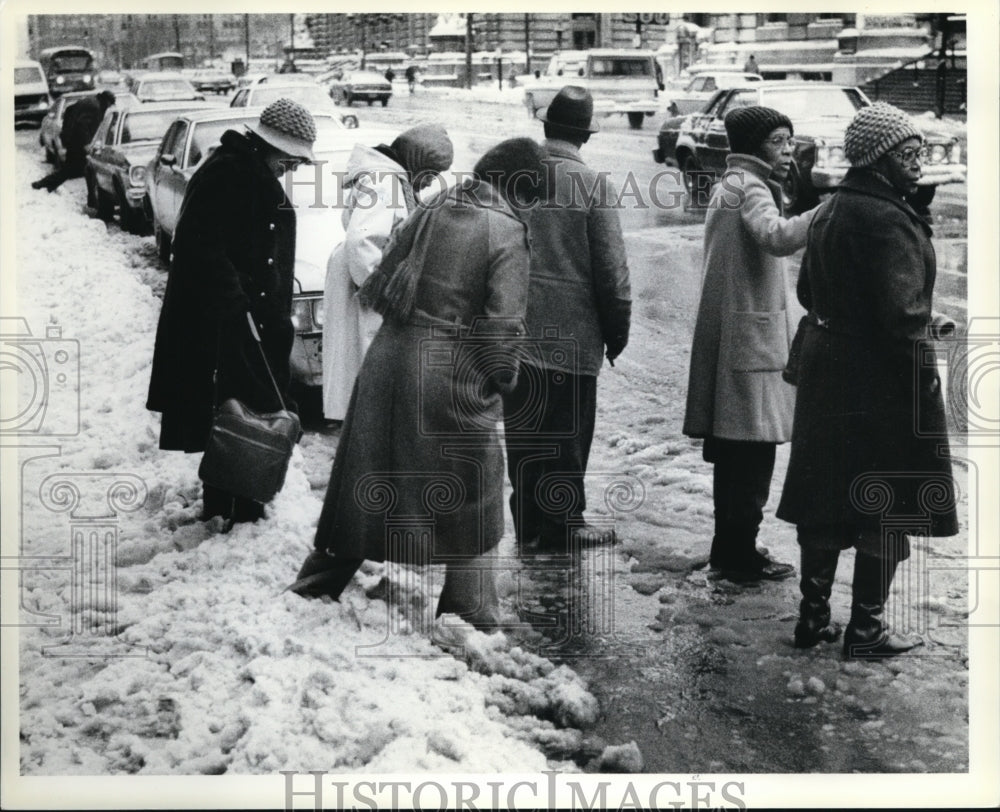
(322, 574)
(867, 636)
(818, 570)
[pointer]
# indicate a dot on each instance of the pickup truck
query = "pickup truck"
(622, 82)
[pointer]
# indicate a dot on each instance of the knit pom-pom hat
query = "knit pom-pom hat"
(287, 126)
(747, 127)
(875, 130)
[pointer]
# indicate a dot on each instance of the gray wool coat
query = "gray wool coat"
(747, 314)
(419, 470)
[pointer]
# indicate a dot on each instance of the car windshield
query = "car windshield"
(306, 95)
(168, 88)
(146, 125)
(802, 102)
(606, 66)
(23, 76)
(72, 62)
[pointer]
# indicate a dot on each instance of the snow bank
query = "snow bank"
(196, 661)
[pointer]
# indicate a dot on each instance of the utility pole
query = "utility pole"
(527, 43)
(246, 34)
(177, 33)
(468, 50)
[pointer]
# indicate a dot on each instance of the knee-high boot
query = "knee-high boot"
(867, 636)
(819, 567)
(323, 574)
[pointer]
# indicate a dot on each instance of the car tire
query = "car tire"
(385, 102)
(635, 120)
(163, 244)
(132, 221)
(797, 194)
(689, 166)
(103, 204)
(348, 99)
(370, 102)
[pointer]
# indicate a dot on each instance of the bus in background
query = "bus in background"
(68, 68)
(164, 61)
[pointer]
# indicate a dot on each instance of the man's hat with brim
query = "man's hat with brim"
(288, 127)
(573, 108)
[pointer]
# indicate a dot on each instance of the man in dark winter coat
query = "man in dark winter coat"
(80, 122)
(234, 252)
(579, 309)
(870, 464)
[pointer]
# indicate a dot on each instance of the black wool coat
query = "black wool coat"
(869, 439)
(234, 252)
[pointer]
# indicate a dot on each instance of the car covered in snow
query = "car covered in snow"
(49, 134)
(360, 85)
(306, 92)
(212, 80)
(820, 112)
(31, 92)
(116, 160)
(317, 197)
(162, 87)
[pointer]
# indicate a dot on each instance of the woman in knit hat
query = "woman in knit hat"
(737, 400)
(419, 471)
(381, 184)
(869, 464)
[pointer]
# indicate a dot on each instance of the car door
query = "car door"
(170, 180)
(102, 149)
(240, 99)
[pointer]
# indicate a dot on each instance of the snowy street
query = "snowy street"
(154, 644)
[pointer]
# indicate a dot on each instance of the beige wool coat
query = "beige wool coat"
(748, 313)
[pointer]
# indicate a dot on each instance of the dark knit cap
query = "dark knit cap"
(747, 127)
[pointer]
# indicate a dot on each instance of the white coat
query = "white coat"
(374, 205)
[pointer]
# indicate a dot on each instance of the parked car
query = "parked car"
(116, 161)
(623, 81)
(360, 85)
(309, 94)
(31, 92)
(211, 80)
(162, 87)
(702, 87)
(190, 139)
(820, 112)
(49, 133)
(112, 80)
(68, 68)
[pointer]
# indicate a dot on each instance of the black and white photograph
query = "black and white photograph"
(512, 410)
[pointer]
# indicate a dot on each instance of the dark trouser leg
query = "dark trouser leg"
(867, 636)
(72, 168)
(819, 566)
(217, 502)
(741, 482)
(549, 427)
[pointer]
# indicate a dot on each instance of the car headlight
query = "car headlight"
(60, 80)
(302, 318)
(86, 77)
(137, 175)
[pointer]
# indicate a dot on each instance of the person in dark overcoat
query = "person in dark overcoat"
(869, 464)
(418, 474)
(80, 122)
(737, 400)
(579, 313)
(233, 253)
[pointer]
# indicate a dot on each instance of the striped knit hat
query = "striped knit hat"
(288, 127)
(875, 130)
(747, 127)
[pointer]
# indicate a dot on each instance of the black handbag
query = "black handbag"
(247, 452)
(790, 374)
